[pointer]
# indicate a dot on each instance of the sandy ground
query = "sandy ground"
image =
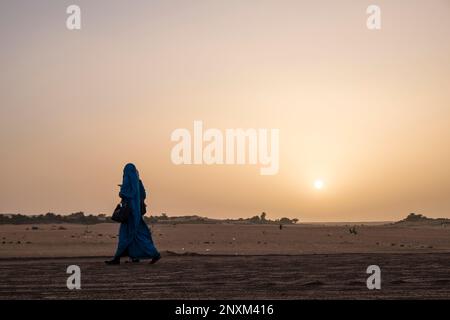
(228, 262)
(100, 240)
(342, 276)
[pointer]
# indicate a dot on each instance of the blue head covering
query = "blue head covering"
(130, 183)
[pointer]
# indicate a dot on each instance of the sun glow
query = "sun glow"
(319, 184)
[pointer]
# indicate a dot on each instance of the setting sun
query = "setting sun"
(318, 184)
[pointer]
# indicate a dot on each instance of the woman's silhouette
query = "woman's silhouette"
(135, 239)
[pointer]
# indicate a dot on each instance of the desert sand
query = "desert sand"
(244, 261)
(68, 240)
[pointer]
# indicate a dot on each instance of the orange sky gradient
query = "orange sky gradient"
(368, 112)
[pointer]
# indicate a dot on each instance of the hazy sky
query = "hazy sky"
(366, 111)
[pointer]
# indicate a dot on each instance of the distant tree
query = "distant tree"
(263, 217)
(285, 220)
(164, 216)
(255, 219)
(415, 217)
(77, 215)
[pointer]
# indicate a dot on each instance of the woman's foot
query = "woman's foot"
(113, 261)
(133, 260)
(155, 259)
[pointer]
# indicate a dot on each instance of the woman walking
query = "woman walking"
(135, 239)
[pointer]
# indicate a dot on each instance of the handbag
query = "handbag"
(121, 213)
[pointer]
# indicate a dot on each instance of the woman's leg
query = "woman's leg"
(122, 246)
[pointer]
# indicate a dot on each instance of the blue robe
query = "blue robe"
(135, 239)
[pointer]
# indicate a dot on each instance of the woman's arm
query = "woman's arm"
(126, 190)
(142, 190)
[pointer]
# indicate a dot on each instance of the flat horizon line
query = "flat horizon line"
(219, 219)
